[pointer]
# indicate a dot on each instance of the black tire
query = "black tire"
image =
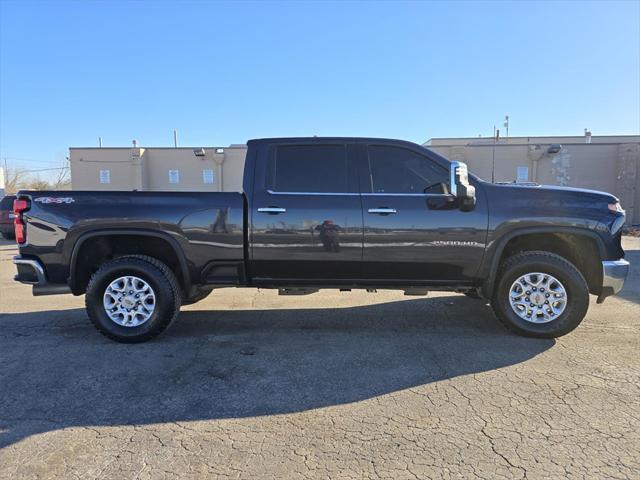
(200, 295)
(157, 275)
(543, 262)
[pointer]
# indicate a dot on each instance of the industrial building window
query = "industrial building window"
(399, 170)
(105, 176)
(308, 168)
(208, 176)
(174, 176)
(522, 174)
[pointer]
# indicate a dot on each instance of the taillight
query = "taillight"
(19, 206)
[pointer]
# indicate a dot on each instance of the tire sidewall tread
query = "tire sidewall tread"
(157, 274)
(545, 262)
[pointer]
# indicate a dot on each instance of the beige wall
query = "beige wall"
(148, 168)
(607, 166)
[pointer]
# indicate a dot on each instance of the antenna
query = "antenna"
(175, 138)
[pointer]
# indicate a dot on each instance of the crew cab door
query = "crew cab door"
(306, 214)
(413, 236)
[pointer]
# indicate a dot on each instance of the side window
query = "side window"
(308, 168)
(399, 170)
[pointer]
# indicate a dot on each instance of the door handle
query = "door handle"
(382, 210)
(272, 210)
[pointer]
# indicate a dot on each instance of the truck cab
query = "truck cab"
(359, 212)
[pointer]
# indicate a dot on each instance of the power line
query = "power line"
(25, 170)
(46, 169)
(15, 159)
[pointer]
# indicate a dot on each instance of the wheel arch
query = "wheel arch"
(592, 271)
(181, 268)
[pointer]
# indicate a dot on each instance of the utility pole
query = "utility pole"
(493, 156)
(496, 138)
(506, 125)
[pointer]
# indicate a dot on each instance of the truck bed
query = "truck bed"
(207, 227)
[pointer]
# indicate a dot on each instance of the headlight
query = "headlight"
(616, 207)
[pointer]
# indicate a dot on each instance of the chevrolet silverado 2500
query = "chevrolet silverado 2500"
(315, 213)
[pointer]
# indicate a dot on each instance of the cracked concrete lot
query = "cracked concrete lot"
(335, 385)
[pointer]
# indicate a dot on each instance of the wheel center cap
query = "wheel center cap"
(128, 302)
(538, 298)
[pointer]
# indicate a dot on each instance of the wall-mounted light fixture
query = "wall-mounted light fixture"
(554, 148)
(199, 152)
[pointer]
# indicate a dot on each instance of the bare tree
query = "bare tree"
(15, 179)
(62, 180)
(37, 184)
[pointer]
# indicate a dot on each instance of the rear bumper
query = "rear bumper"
(31, 272)
(614, 274)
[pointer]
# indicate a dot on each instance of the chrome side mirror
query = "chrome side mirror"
(464, 192)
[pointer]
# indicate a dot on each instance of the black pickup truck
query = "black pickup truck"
(344, 213)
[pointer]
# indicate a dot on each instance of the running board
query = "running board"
(297, 291)
(50, 289)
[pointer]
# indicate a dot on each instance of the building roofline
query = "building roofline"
(539, 136)
(504, 144)
(157, 148)
(531, 137)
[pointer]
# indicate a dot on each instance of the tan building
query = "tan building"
(208, 169)
(609, 163)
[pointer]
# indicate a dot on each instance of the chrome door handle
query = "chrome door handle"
(272, 210)
(382, 210)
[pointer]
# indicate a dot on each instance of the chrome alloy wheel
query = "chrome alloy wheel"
(538, 297)
(129, 301)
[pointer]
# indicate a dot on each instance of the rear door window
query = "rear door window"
(309, 169)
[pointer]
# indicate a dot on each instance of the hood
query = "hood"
(553, 190)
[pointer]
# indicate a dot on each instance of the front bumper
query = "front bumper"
(614, 273)
(31, 272)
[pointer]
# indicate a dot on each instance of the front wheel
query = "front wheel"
(132, 299)
(540, 294)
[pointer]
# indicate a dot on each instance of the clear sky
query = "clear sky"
(223, 72)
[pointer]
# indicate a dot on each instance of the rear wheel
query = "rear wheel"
(132, 299)
(540, 294)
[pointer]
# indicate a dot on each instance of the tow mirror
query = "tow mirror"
(464, 192)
